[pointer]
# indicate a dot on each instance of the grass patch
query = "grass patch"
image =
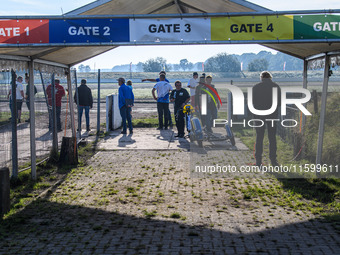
(23, 190)
(145, 122)
(175, 215)
(150, 214)
(299, 192)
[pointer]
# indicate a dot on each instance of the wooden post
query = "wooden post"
(68, 151)
(4, 191)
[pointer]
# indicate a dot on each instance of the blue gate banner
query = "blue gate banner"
(89, 31)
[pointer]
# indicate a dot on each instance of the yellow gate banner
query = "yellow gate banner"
(248, 28)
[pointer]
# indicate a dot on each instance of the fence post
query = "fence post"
(323, 111)
(315, 101)
(14, 127)
(4, 191)
(32, 121)
(54, 151)
(98, 104)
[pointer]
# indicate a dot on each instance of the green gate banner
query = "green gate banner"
(317, 27)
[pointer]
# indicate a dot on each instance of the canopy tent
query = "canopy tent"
(62, 55)
(70, 55)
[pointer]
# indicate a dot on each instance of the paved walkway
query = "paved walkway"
(137, 196)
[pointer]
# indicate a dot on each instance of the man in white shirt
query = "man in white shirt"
(192, 85)
(163, 88)
(19, 97)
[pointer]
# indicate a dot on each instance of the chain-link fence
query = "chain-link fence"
(43, 131)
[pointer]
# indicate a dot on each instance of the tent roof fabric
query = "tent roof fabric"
(71, 55)
(116, 7)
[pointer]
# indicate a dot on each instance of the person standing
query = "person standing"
(181, 97)
(262, 100)
(157, 80)
(212, 104)
(19, 97)
(193, 82)
(85, 103)
(129, 84)
(59, 94)
(126, 101)
(163, 88)
(27, 96)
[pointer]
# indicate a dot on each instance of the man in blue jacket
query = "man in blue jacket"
(126, 101)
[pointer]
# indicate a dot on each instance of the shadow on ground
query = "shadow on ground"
(48, 227)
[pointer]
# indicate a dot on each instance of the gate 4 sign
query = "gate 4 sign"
(252, 28)
(169, 30)
(23, 31)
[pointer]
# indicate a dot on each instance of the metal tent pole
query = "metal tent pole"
(70, 94)
(98, 104)
(54, 151)
(14, 126)
(305, 81)
(32, 121)
(323, 110)
(77, 98)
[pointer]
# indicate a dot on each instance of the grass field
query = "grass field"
(142, 90)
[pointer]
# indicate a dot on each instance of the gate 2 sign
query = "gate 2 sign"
(89, 31)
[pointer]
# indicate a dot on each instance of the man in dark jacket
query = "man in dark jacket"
(263, 100)
(85, 103)
(181, 97)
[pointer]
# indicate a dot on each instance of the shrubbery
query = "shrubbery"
(331, 140)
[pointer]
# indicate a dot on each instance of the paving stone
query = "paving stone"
(130, 201)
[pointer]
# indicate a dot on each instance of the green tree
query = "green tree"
(87, 68)
(259, 64)
(81, 68)
(155, 65)
(222, 62)
(185, 64)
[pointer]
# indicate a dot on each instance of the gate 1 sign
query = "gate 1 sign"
(89, 31)
(24, 31)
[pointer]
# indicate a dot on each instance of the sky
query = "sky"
(135, 54)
